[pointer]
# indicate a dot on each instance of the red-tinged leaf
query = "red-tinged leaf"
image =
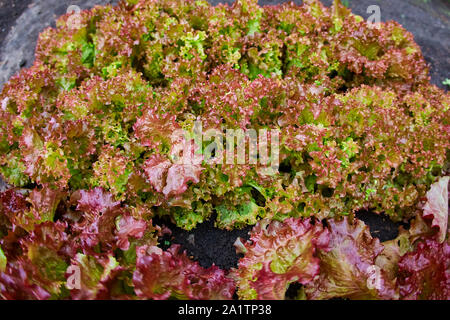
(94, 272)
(425, 273)
(45, 162)
(26, 212)
(104, 102)
(106, 223)
(98, 230)
(163, 274)
(24, 88)
(48, 236)
(170, 179)
(392, 252)
(112, 170)
(208, 284)
(156, 170)
(420, 228)
(129, 227)
(436, 207)
(32, 146)
(348, 270)
(10, 244)
(279, 254)
(178, 177)
(16, 283)
(153, 129)
(94, 202)
(99, 213)
(13, 204)
(155, 278)
(48, 248)
(45, 201)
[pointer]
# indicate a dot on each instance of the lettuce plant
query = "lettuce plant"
(89, 149)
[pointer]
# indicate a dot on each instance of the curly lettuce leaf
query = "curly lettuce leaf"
(95, 273)
(436, 207)
(16, 283)
(164, 274)
(129, 227)
(107, 223)
(94, 202)
(28, 211)
(48, 248)
(168, 178)
(349, 270)
(277, 255)
(238, 217)
(424, 274)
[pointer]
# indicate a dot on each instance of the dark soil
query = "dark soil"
(210, 245)
(428, 20)
(206, 243)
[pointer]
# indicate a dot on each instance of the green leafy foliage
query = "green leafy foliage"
(90, 152)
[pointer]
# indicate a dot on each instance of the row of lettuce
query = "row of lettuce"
(87, 149)
(102, 249)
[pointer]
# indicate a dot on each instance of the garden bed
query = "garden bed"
(428, 21)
